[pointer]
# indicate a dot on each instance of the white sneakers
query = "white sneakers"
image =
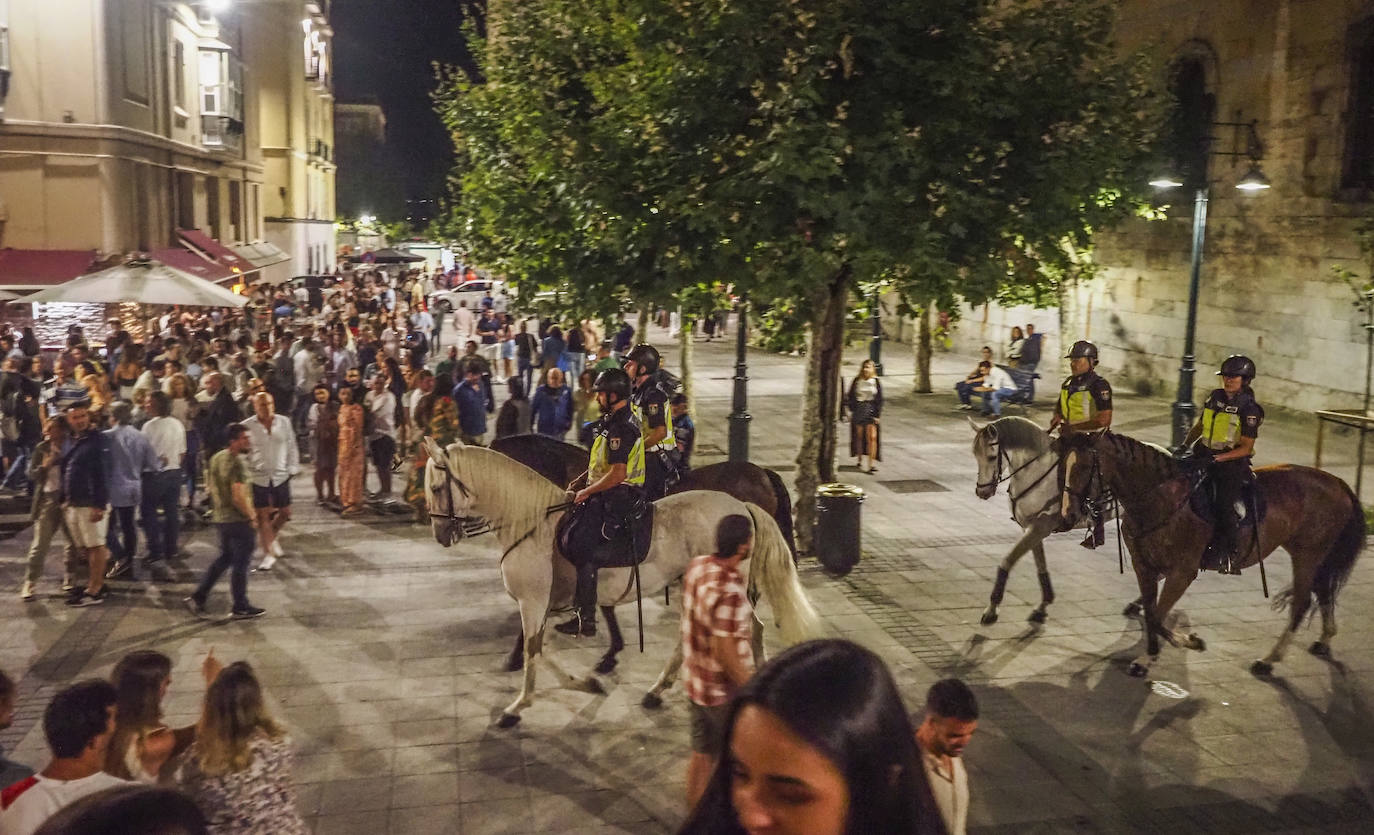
(270, 558)
(26, 591)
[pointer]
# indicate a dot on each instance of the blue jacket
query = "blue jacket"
(552, 410)
(130, 455)
(83, 472)
(472, 409)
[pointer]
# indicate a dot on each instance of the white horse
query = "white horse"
(523, 508)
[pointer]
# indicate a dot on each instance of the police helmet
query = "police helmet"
(613, 381)
(1083, 348)
(1238, 365)
(645, 356)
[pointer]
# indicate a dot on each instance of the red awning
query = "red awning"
(185, 259)
(215, 251)
(35, 269)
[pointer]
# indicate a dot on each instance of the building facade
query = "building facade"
(197, 130)
(1303, 72)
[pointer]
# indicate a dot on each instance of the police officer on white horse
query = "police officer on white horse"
(613, 495)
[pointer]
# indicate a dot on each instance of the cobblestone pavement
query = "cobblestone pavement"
(383, 653)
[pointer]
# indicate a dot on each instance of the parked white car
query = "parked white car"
(472, 292)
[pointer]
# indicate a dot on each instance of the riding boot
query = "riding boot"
(584, 601)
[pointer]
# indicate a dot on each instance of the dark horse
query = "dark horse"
(561, 463)
(1312, 515)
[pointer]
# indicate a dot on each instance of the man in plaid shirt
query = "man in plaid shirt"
(716, 655)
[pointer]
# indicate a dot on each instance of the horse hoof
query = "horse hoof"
(1137, 670)
(1320, 649)
(1261, 668)
(989, 618)
(515, 665)
(1131, 610)
(1038, 616)
(606, 666)
(593, 685)
(652, 701)
(508, 720)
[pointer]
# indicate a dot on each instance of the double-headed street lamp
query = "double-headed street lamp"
(1253, 181)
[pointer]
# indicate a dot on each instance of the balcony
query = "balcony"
(221, 100)
(321, 150)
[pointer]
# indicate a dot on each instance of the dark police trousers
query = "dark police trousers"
(606, 512)
(1229, 479)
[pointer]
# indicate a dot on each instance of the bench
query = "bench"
(1025, 385)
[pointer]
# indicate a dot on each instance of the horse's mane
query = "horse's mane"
(1014, 431)
(1141, 458)
(511, 494)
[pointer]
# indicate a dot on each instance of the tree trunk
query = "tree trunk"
(684, 361)
(642, 323)
(924, 345)
(821, 400)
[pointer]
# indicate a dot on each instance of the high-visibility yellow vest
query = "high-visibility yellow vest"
(669, 441)
(1220, 429)
(1077, 407)
(600, 463)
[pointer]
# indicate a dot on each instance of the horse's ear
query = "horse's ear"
(976, 428)
(433, 449)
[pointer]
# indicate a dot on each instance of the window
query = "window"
(1358, 171)
(4, 53)
(221, 99)
(179, 73)
(186, 200)
(212, 206)
(1189, 136)
(236, 210)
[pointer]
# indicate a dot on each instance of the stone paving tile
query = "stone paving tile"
(384, 654)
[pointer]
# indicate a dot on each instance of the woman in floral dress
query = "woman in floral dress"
(438, 415)
(351, 450)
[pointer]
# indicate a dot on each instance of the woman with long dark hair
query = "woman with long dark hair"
(818, 742)
(142, 743)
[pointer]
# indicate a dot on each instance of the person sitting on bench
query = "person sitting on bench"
(997, 386)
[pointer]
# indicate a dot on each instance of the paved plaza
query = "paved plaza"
(383, 652)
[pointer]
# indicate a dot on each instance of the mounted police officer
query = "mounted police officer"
(1085, 399)
(650, 403)
(1225, 436)
(613, 495)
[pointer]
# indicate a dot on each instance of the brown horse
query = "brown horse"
(1312, 515)
(563, 463)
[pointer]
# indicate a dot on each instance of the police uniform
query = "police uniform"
(650, 404)
(1225, 420)
(617, 440)
(1081, 397)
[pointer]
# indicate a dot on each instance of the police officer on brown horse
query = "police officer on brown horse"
(1225, 436)
(615, 485)
(650, 402)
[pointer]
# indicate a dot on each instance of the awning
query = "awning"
(34, 269)
(261, 254)
(188, 261)
(215, 251)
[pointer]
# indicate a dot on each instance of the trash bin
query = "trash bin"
(836, 537)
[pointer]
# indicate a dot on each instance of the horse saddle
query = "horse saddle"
(609, 531)
(1203, 501)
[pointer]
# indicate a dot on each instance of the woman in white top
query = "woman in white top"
(141, 744)
(1018, 341)
(865, 405)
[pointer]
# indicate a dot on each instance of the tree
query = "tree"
(958, 148)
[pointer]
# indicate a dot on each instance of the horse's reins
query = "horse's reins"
(477, 528)
(999, 478)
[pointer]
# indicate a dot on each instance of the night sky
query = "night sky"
(384, 51)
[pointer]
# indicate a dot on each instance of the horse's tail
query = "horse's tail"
(1340, 560)
(776, 575)
(784, 515)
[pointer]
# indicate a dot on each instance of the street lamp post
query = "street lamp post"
(1254, 180)
(739, 405)
(875, 343)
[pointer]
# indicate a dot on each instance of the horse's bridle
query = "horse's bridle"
(466, 526)
(999, 478)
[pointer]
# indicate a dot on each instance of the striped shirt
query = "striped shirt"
(714, 603)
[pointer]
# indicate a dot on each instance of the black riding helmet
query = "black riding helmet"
(1083, 348)
(613, 381)
(645, 356)
(1238, 365)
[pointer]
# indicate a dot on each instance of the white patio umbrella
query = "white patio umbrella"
(142, 281)
(7, 296)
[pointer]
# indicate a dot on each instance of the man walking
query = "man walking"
(472, 407)
(716, 656)
(85, 500)
(233, 513)
(463, 320)
(950, 720)
(45, 472)
(161, 515)
(382, 442)
(272, 459)
(130, 457)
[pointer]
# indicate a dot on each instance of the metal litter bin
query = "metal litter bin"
(836, 537)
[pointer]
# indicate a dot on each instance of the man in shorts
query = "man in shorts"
(272, 460)
(716, 655)
(85, 500)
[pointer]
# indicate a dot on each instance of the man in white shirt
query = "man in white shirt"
(950, 720)
(78, 724)
(382, 442)
(463, 320)
(424, 323)
(162, 488)
(272, 460)
(997, 386)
